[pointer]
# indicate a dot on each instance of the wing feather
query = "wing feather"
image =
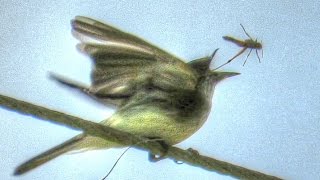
(113, 50)
(124, 63)
(107, 33)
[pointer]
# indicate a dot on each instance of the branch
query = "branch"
(190, 157)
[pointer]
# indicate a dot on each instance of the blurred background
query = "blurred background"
(266, 119)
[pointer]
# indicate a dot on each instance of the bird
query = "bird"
(155, 94)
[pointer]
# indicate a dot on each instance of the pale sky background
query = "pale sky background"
(266, 119)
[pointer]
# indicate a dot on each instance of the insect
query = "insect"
(248, 43)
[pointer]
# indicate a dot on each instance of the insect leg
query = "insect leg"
(238, 54)
(247, 57)
(245, 31)
(258, 55)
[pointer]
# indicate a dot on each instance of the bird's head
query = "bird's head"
(208, 78)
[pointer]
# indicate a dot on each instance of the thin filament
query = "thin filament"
(247, 57)
(245, 31)
(258, 55)
(238, 54)
(114, 165)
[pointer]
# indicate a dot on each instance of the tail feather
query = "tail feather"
(48, 155)
(103, 98)
(69, 83)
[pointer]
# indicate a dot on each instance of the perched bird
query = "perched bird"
(156, 94)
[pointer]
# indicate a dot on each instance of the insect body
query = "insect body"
(248, 43)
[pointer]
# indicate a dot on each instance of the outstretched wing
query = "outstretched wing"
(124, 63)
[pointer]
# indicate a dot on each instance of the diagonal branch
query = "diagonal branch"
(96, 129)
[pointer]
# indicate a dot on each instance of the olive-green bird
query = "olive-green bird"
(156, 94)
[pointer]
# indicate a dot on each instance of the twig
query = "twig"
(110, 134)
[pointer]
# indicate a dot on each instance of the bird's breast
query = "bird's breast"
(172, 120)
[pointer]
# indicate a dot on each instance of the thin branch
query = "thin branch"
(95, 129)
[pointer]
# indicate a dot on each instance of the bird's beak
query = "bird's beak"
(223, 75)
(228, 74)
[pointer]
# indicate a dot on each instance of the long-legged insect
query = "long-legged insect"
(248, 43)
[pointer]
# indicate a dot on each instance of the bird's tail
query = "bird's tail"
(48, 155)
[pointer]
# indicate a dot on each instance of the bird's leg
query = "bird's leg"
(163, 155)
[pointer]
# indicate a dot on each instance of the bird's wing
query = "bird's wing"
(124, 63)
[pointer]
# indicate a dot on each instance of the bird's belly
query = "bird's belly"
(152, 122)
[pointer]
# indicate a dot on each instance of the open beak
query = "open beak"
(223, 75)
